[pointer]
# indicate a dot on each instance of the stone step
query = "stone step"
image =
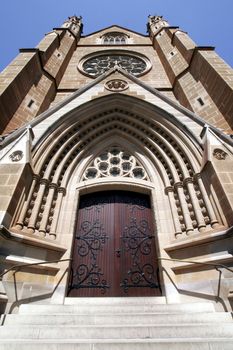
(116, 301)
(126, 319)
(178, 331)
(188, 344)
(82, 308)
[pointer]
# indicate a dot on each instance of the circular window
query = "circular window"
(97, 65)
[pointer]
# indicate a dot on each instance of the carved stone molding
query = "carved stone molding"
(116, 85)
(219, 154)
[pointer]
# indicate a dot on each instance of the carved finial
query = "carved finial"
(155, 23)
(154, 19)
(74, 23)
(75, 19)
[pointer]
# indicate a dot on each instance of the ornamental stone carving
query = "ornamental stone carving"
(219, 154)
(16, 156)
(116, 85)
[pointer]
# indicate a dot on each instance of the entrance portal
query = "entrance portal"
(114, 249)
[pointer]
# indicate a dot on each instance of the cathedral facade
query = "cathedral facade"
(116, 163)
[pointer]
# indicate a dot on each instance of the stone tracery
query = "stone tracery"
(115, 162)
(98, 64)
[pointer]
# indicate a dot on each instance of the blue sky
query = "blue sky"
(24, 22)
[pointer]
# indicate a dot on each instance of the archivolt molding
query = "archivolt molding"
(70, 146)
(85, 125)
(189, 202)
(134, 146)
(151, 114)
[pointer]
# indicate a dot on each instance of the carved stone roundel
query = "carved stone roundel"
(219, 154)
(116, 85)
(16, 156)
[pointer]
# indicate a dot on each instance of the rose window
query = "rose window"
(100, 64)
(115, 162)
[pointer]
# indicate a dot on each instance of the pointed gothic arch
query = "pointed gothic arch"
(174, 154)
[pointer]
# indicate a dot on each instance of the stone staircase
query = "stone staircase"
(117, 324)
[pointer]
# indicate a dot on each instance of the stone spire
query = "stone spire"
(74, 24)
(155, 23)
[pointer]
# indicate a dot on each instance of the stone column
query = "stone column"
(20, 222)
(169, 191)
(36, 208)
(47, 208)
(61, 193)
(213, 219)
(195, 204)
(184, 207)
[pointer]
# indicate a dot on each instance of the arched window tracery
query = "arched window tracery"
(98, 65)
(115, 161)
(114, 38)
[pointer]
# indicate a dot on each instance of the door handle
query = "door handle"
(118, 252)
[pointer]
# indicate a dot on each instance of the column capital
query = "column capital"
(169, 189)
(188, 180)
(36, 177)
(44, 181)
(53, 185)
(197, 176)
(62, 190)
(178, 184)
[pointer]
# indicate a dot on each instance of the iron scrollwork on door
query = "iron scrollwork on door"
(137, 240)
(90, 241)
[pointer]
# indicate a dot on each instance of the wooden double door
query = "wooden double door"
(114, 249)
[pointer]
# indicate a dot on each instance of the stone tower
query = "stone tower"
(116, 135)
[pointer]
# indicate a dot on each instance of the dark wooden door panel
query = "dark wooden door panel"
(91, 268)
(114, 250)
(138, 262)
